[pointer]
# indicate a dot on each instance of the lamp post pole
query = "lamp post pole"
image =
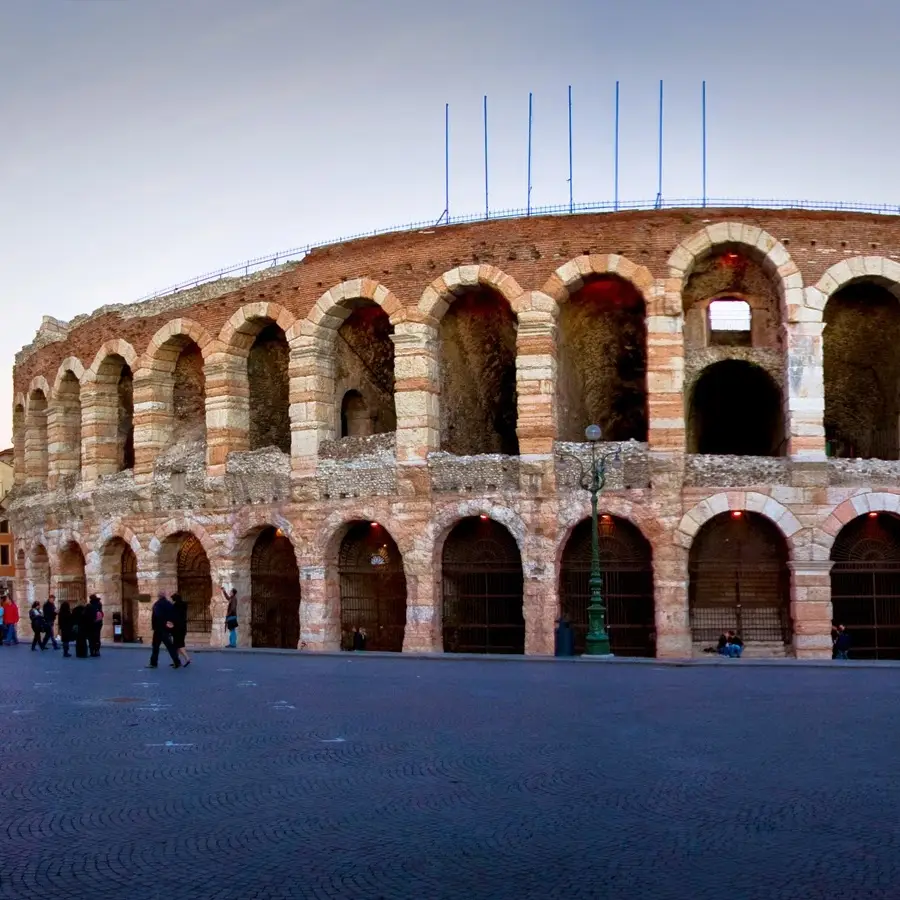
(597, 642)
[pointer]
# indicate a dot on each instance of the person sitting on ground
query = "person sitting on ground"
(723, 643)
(842, 643)
(735, 646)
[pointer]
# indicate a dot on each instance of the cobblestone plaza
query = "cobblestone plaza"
(316, 776)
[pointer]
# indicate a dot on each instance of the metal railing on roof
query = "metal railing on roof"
(295, 254)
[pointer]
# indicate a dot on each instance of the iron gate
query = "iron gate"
(865, 586)
(274, 592)
(75, 592)
(195, 585)
(739, 580)
(626, 567)
(482, 590)
(373, 588)
(129, 588)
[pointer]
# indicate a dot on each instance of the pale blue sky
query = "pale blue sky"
(147, 141)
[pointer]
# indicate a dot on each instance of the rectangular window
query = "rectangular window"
(4, 554)
(4, 526)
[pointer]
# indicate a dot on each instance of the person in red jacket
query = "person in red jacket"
(10, 621)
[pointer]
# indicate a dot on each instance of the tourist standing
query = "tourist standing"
(231, 619)
(2, 626)
(161, 622)
(37, 626)
(65, 627)
(10, 621)
(842, 642)
(95, 624)
(80, 628)
(179, 628)
(50, 621)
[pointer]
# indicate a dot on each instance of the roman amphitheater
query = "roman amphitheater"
(389, 434)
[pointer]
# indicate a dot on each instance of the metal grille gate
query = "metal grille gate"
(274, 592)
(739, 580)
(129, 595)
(482, 590)
(865, 586)
(75, 592)
(626, 566)
(195, 585)
(373, 588)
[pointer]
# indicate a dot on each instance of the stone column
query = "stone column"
(416, 387)
(148, 586)
(100, 432)
(227, 408)
(423, 606)
(536, 424)
(670, 590)
(804, 394)
(540, 599)
(311, 373)
(64, 441)
(152, 419)
(665, 369)
(811, 610)
(320, 618)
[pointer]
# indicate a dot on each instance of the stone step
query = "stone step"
(752, 650)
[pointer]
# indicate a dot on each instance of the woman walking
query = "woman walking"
(179, 630)
(65, 627)
(37, 626)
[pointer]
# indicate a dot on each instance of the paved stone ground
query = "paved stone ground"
(276, 777)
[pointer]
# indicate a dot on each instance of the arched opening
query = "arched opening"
(114, 413)
(120, 586)
(730, 323)
(736, 410)
(626, 567)
(19, 441)
(865, 585)
(483, 589)
(739, 580)
(267, 375)
(364, 371)
(36, 438)
(66, 425)
(355, 419)
(38, 587)
(478, 375)
(195, 587)
(862, 373)
(274, 592)
(373, 588)
(71, 583)
(603, 361)
(188, 392)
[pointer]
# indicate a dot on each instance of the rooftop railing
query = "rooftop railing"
(295, 254)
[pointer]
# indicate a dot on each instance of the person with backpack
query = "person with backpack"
(37, 626)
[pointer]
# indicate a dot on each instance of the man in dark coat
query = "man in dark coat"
(66, 627)
(50, 622)
(162, 620)
(95, 617)
(80, 628)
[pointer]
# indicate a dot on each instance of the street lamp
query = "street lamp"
(597, 643)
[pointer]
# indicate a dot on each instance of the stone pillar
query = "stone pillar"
(804, 390)
(536, 424)
(416, 387)
(670, 593)
(19, 443)
(320, 616)
(311, 373)
(665, 370)
(811, 610)
(227, 408)
(100, 434)
(423, 606)
(147, 586)
(37, 587)
(540, 601)
(152, 419)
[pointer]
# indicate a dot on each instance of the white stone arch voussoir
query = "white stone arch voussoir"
(876, 269)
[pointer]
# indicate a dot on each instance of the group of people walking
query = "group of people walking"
(168, 619)
(81, 625)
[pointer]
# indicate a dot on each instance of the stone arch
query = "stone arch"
(186, 559)
(248, 524)
(114, 347)
(331, 310)
(743, 501)
(568, 279)
(861, 504)
(114, 568)
(437, 297)
(185, 525)
(64, 422)
(69, 364)
(446, 518)
(239, 332)
(36, 456)
(117, 529)
(69, 568)
(155, 356)
(877, 269)
(108, 410)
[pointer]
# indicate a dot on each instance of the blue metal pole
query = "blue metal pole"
(530, 119)
(447, 161)
(704, 141)
(659, 191)
(616, 153)
(487, 208)
(571, 195)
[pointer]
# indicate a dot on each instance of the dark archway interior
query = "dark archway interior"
(125, 405)
(274, 592)
(626, 567)
(736, 410)
(482, 589)
(603, 362)
(865, 585)
(267, 374)
(195, 584)
(862, 373)
(478, 375)
(373, 588)
(739, 579)
(364, 364)
(71, 581)
(189, 395)
(355, 420)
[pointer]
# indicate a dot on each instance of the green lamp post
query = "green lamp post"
(597, 643)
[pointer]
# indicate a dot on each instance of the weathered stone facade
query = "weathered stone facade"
(157, 444)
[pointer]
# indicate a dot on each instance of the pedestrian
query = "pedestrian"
(37, 626)
(65, 627)
(2, 626)
(735, 646)
(231, 619)
(179, 627)
(50, 621)
(161, 621)
(842, 643)
(723, 643)
(95, 623)
(80, 630)
(359, 638)
(10, 621)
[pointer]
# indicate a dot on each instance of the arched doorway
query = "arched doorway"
(739, 579)
(274, 592)
(71, 583)
(120, 585)
(195, 586)
(865, 585)
(129, 581)
(736, 410)
(482, 589)
(373, 588)
(626, 566)
(38, 572)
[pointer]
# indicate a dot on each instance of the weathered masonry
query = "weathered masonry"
(385, 436)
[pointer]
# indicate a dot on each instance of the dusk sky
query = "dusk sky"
(148, 141)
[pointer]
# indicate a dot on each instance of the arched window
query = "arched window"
(267, 374)
(355, 420)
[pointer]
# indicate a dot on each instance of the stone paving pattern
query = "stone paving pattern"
(321, 777)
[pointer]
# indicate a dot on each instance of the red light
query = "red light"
(605, 518)
(374, 525)
(736, 513)
(483, 517)
(873, 515)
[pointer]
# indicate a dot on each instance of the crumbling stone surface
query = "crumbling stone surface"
(485, 473)
(705, 470)
(258, 476)
(882, 473)
(630, 471)
(358, 467)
